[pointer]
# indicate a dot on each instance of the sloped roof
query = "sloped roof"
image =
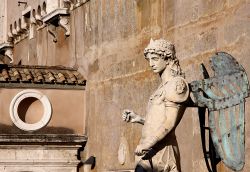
(24, 76)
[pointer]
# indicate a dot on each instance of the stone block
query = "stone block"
(40, 153)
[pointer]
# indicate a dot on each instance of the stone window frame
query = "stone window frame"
(14, 110)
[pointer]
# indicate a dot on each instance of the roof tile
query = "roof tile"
(41, 76)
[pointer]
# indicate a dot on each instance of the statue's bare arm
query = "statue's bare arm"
(130, 116)
(164, 129)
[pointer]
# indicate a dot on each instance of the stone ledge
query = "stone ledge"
(40, 163)
(55, 13)
(42, 139)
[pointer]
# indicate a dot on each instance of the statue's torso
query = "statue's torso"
(168, 95)
(156, 114)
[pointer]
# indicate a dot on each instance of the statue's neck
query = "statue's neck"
(166, 75)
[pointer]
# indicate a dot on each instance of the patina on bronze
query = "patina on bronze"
(224, 95)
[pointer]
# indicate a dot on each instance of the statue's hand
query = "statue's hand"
(130, 116)
(141, 149)
(145, 147)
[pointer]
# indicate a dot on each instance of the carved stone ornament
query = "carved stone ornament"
(58, 17)
(24, 24)
(64, 23)
(69, 4)
(46, 109)
(6, 49)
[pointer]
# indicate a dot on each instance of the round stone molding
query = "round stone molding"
(14, 110)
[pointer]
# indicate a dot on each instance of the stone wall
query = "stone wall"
(67, 115)
(115, 33)
(106, 43)
(2, 22)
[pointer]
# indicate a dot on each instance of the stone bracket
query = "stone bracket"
(64, 23)
(58, 17)
(6, 49)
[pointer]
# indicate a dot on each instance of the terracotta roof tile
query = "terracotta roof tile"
(41, 77)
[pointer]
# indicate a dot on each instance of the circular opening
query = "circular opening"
(28, 107)
(30, 110)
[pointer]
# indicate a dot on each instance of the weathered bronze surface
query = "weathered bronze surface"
(223, 95)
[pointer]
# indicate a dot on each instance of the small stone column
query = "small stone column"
(40, 153)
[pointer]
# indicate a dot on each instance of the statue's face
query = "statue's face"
(157, 63)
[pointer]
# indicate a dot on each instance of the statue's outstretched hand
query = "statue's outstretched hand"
(129, 115)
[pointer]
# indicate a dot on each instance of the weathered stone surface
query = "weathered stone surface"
(17, 152)
(107, 42)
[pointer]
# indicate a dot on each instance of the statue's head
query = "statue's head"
(161, 54)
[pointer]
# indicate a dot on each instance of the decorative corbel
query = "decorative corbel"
(9, 53)
(19, 30)
(6, 49)
(68, 4)
(43, 9)
(10, 35)
(24, 24)
(58, 17)
(38, 17)
(64, 23)
(32, 20)
(16, 31)
(39, 22)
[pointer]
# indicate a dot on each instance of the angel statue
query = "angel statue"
(223, 95)
(158, 149)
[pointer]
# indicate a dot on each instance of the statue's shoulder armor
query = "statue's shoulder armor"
(176, 90)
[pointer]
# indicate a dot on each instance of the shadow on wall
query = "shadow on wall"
(211, 158)
(12, 129)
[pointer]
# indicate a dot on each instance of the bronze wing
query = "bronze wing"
(224, 95)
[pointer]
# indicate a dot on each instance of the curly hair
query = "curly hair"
(165, 50)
